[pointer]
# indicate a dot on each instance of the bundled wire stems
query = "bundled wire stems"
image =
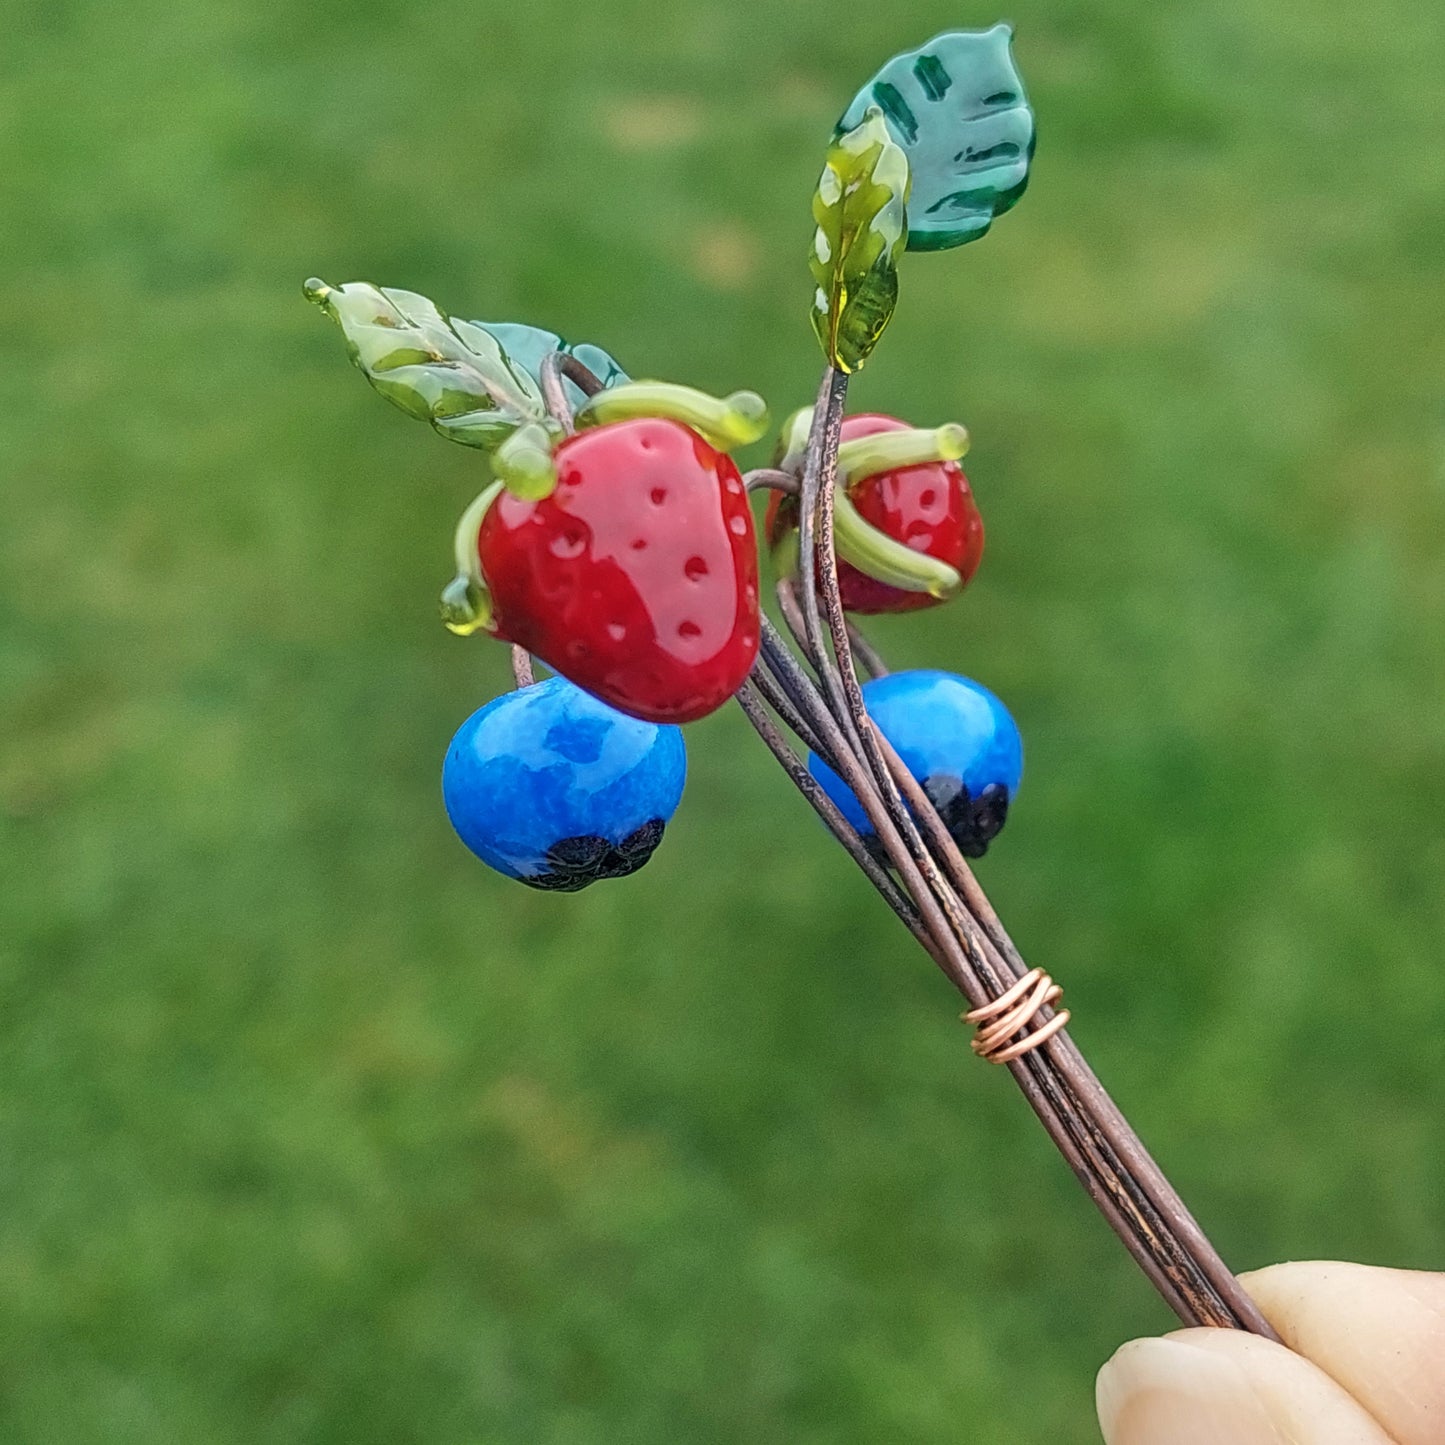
(815, 694)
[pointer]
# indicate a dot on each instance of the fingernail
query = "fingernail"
(1164, 1392)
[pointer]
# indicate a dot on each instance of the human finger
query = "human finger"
(1380, 1333)
(1225, 1387)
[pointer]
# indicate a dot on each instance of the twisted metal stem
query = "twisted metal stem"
(522, 673)
(554, 394)
(913, 862)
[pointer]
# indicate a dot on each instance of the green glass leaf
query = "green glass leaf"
(957, 107)
(862, 224)
(454, 374)
(526, 346)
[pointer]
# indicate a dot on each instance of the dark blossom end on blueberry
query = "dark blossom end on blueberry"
(575, 862)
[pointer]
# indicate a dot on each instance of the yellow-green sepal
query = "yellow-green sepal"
(862, 228)
(723, 422)
(523, 463)
(465, 606)
(792, 447)
(786, 553)
(862, 544)
(879, 556)
(890, 451)
(466, 601)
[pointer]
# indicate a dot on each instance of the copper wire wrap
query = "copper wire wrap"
(1011, 1013)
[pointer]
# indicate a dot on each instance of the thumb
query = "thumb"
(1379, 1332)
(1225, 1387)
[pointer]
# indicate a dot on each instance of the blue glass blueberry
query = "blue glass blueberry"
(554, 788)
(956, 738)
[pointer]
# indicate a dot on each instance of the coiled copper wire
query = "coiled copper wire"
(1011, 1013)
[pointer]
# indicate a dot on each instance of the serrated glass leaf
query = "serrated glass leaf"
(528, 345)
(454, 374)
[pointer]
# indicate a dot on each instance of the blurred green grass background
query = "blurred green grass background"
(311, 1130)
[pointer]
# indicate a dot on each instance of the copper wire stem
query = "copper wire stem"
(522, 673)
(932, 890)
(554, 394)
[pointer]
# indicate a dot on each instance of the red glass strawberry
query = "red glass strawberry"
(928, 507)
(636, 576)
